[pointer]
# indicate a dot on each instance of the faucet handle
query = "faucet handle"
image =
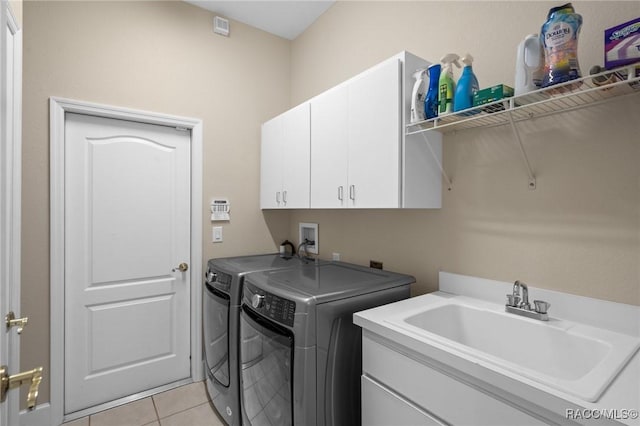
(513, 300)
(509, 299)
(541, 306)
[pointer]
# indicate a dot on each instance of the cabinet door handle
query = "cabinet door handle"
(278, 197)
(340, 193)
(284, 197)
(352, 192)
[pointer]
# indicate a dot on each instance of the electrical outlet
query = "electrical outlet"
(375, 264)
(335, 256)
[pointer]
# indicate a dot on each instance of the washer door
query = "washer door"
(216, 334)
(266, 355)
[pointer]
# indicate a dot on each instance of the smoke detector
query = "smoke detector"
(221, 26)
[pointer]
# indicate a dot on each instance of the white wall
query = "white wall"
(579, 232)
(156, 56)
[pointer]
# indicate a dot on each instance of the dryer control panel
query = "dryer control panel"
(219, 280)
(271, 306)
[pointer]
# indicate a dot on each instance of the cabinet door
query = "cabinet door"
(296, 166)
(445, 397)
(374, 137)
(329, 149)
(271, 164)
(382, 407)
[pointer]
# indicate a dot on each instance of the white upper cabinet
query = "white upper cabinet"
(329, 153)
(359, 156)
(296, 128)
(271, 164)
(374, 137)
(356, 141)
(284, 173)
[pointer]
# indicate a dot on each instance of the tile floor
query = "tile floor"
(184, 406)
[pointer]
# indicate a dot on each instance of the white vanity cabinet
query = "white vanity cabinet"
(419, 393)
(360, 156)
(383, 407)
(285, 150)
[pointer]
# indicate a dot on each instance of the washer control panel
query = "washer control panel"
(219, 280)
(271, 306)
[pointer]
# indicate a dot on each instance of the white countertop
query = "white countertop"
(622, 395)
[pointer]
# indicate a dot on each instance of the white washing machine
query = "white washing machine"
(300, 353)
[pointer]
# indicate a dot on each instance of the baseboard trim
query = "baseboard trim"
(40, 416)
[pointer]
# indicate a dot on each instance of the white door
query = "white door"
(284, 160)
(5, 201)
(271, 164)
(374, 137)
(296, 129)
(127, 226)
(10, 162)
(329, 149)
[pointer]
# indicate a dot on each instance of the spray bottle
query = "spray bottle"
(467, 86)
(431, 100)
(446, 84)
(417, 96)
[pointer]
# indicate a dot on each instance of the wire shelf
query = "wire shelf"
(572, 95)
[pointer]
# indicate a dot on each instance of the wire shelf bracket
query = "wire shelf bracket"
(438, 162)
(525, 159)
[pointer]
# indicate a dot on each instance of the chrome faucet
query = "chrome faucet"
(524, 304)
(520, 305)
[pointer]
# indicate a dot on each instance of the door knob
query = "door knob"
(10, 382)
(181, 267)
(11, 321)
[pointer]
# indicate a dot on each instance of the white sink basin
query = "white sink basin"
(574, 358)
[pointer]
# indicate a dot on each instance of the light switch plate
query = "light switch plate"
(217, 234)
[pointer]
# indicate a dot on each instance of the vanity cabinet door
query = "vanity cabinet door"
(453, 401)
(382, 407)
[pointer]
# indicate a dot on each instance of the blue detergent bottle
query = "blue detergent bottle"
(431, 100)
(467, 86)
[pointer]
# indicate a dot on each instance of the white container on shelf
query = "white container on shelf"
(529, 65)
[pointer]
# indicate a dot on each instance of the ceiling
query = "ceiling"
(284, 18)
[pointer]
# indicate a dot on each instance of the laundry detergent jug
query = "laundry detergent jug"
(559, 38)
(529, 65)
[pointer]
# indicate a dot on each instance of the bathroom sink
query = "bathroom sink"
(571, 357)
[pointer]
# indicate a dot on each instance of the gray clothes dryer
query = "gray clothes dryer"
(300, 353)
(221, 310)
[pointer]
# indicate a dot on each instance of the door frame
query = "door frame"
(12, 162)
(58, 107)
